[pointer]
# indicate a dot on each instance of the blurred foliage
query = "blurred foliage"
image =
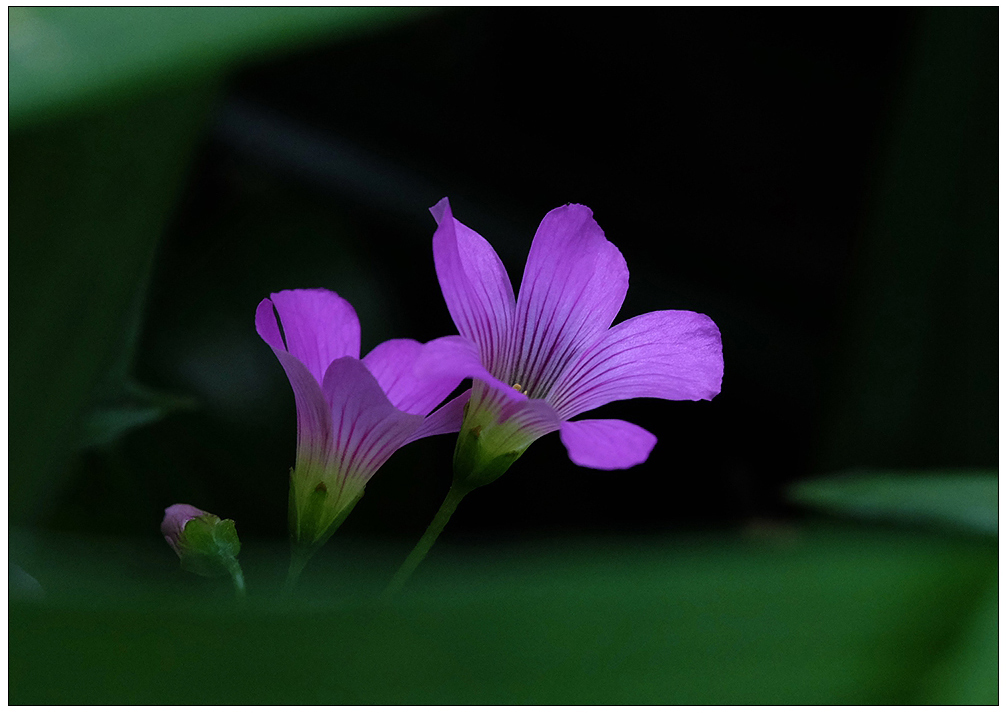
(120, 404)
(72, 58)
(129, 406)
(780, 616)
(106, 106)
(969, 673)
(89, 198)
(966, 501)
(918, 365)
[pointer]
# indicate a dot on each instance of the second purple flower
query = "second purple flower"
(352, 413)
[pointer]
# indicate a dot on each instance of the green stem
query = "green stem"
(239, 579)
(451, 501)
(299, 557)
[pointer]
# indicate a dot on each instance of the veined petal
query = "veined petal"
(456, 357)
(670, 354)
(606, 443)
(478, 293)
(314, 422)
(574, 283)
(392, 363)
(534, 418)
(446, 420)
(366, 428)
(313, 418)
(318, 327)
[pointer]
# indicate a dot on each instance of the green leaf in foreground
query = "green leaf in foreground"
(965, 500)
(969, 673)
(827, 616)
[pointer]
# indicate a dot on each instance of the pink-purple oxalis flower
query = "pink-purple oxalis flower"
(352, 414)
(539, 361)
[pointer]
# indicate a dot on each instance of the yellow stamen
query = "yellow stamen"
(521, 389)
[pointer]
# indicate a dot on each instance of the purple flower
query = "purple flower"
(352, 414)
(542, 359)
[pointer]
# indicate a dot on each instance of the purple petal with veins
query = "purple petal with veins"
(352, 414)
(556, 345)
(476, 288)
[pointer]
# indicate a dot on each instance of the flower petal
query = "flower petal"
(318, 327)
(456, 357)
(392, 364)
(670, 354)
(606, 443)
(446, 420)
(366, 428)
(534, 418)
(573, 286)
(266, 326)
(313, 419)
(478, 293)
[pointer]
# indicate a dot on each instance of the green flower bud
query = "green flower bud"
(205, 544)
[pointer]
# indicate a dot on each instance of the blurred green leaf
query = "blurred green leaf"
(121, 404)
(803, 617)
(918, 377)
(964, 500)
(970, 673)
(88, 201)
(105, 107)
(132, 406)
(20, 584)
(63, 58)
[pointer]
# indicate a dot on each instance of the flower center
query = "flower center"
(521, 389)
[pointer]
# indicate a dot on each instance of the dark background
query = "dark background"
(820, 182)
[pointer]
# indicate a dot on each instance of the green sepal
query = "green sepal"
(474, 464)
(314, 522)
(306, 533)
(209, 546)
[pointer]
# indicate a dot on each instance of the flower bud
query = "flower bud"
(205, 544)
(175, 518)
